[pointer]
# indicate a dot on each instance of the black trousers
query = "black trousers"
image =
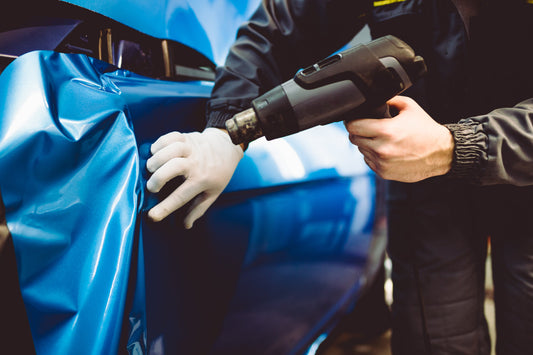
(438, 234)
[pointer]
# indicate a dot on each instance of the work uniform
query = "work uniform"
(480, 84)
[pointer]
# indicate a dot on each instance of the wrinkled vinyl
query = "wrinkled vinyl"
(69, 174)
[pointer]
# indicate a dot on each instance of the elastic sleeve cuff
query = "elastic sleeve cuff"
(470, 150)
(217, 113)
(218, 119)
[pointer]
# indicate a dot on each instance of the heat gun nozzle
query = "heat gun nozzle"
(244, 127)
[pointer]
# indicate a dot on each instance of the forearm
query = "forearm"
(280, 38)
(496, 148)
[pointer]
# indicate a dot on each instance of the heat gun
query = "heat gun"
(356, 82)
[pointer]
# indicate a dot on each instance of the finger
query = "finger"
(198, 208)
(368, 153)
(179, 197)
(371, 164)
(165, 140)
(173, 150)
(361, 142)
(364, 127)
(168, 171)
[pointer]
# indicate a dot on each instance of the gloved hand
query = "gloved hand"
(206, 160)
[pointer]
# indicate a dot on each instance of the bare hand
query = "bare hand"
(409, 147)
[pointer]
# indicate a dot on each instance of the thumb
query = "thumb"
(400, 103)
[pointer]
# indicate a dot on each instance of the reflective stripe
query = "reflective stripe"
(387, 2)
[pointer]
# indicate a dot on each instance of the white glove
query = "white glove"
(206, 160)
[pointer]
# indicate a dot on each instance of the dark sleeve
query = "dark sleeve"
(281, 37)
(496, 148)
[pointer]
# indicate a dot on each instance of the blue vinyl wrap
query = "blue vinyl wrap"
(69, 174)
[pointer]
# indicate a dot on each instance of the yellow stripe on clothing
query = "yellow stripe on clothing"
(388, 2)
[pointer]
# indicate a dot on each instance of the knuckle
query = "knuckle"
(174, 136)
(384, 154)
(181, 149)
(202, 179)
(174, 164)
(388, 129)
(187, 150)
(174, 150)
(167, 139)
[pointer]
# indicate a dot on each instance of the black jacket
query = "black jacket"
(480, 86)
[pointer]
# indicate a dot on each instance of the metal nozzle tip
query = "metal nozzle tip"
(231, 127)
(244, 127)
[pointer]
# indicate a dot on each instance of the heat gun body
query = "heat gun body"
(353, 83)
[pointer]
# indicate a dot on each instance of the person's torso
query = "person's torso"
(468, 73)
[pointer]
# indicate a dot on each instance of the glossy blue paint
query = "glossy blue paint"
(306, 251)
(209, 26)
(299, 158)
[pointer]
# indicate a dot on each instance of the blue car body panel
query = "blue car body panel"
(209, 26)
(276, 258)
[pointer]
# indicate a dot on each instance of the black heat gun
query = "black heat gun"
(353, 83)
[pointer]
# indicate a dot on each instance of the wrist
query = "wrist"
(447, 147)
(243, 146)
(221, 137)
